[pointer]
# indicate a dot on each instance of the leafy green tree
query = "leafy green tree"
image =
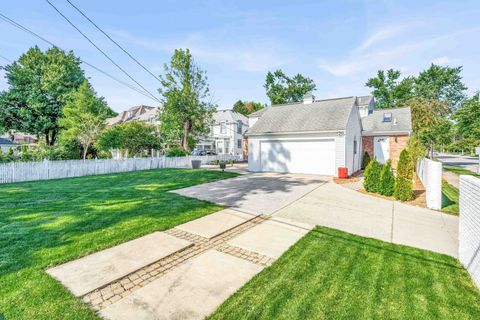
(416, 149)
(371, 180)
(467, 120)
(134, 138)
(283, 89)
(441, 83)
(247, 108)
(389, 91)
(387, 180)
(39, 86)
(186, 113)
(84, 116)
(429, 120)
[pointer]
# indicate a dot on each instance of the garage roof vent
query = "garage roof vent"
(308, 98)
(387, 117)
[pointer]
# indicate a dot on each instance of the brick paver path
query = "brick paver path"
(103, 297)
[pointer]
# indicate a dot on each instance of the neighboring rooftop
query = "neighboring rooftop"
(388, 120)
(258, 113)
(228, 116)
(364, 100)
(131, 114)
(320, 115)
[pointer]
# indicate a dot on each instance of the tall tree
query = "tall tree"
(186, 111)
(246, 108)
(39, 86)
(84, 116)
(442, 83)
(468, 120)
(283, 89)
(429, 120)
(389, 91)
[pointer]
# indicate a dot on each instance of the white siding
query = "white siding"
(353, 132)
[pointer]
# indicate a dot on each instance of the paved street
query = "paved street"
(469, 163)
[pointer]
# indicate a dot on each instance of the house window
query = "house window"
(355, 146)
(239, 143)
(223, 128)
(387, 117)
(239, 127)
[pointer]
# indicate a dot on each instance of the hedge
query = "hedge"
(371, 180)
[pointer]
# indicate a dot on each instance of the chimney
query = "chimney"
(395, 121)
(308, 98)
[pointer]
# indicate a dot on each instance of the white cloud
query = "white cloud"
(444, 61)
(381, 35)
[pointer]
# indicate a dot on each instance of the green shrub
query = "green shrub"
(387, 180)
(416, 149)
(403, 189)
(405, 165)
(371, 181)
(176, 152)
(366, 160)
(403, 182)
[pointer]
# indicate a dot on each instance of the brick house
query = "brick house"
(385, 133)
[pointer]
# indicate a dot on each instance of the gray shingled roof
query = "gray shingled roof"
(374, 122)
(321, 115)
(257, 113)
(364, 100)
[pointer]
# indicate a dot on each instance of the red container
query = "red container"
(343, 173)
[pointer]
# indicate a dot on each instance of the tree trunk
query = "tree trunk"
(186, 131)
(85, 150)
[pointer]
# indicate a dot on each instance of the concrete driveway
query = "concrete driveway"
(334, 206)
(258, 193)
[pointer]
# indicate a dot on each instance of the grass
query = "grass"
(459, 171)
(46, 223)
(330, 274)
(450, 198)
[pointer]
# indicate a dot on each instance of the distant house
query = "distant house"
(20, 137)
(226, 133)
(140, 113)
(321, 136)
(6, 144)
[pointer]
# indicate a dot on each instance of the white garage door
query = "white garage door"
(298, 156)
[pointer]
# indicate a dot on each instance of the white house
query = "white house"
(226, 133)
(315, 136)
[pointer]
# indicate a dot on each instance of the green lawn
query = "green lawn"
(450, 198)
(46, 223)
(330, 274)
(460, 171)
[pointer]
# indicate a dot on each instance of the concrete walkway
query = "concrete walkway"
(334, 206)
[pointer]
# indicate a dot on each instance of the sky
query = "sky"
(339, 44)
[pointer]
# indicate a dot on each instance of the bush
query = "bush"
(371, 181)
(176, 152)
(366, 160)
(416, 149)
(403, 189)
(387, 180)
(405, 165)
(403, 182)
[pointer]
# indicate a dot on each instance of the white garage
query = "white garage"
(298, 156)
(313, 137)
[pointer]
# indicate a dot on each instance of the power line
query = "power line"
(110, 38)
(23, 28)
(6, 59)
(101, 51)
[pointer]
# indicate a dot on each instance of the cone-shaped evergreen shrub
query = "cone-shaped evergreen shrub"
(366, 160)
(403, 182)
(387, 180)
(371, 179)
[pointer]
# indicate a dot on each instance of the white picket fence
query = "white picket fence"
(46, 170)
(430, 173)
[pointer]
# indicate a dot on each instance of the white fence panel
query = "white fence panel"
(45, 170)
(430, 173)
(469, 226)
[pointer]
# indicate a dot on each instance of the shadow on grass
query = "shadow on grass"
(413, 254)
(58, 220)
